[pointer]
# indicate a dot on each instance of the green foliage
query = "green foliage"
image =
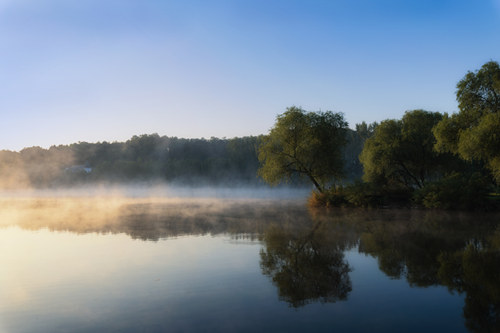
(478, 93)
(473, 133)
(456, 191)
(365, 130)
(355, 143)
(309, 144)
(361, 194)
(401, 151)
(142, 158)
(446, 133)
(147, 158)
(482, 142)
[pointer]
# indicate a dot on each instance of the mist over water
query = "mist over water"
(149, 212)
(162, 190)
(234, 259)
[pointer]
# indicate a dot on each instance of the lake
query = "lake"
(155, 264)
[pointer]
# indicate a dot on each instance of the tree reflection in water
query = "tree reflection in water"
(460, 252)
(303, 251)
(306, 263)
(304, 256)
(475, 271)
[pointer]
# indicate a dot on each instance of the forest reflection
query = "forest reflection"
(148, 219)
(305, 258)
(459, 251)
(303, 251)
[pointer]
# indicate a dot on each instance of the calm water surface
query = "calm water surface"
(109, 264)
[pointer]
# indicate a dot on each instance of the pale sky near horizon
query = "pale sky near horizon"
(105, 70)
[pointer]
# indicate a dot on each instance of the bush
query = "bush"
(456, 191)
(329, 198)
(362, 194)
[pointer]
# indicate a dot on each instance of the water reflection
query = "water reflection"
(305, 258)
(458, 251)
(303, 252)
(306, 263)
(475, 271)
(148, 219)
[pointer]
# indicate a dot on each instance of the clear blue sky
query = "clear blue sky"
(104, 70)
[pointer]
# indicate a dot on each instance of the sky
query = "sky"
(105, 70)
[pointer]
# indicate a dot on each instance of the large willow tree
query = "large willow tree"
(309, 144)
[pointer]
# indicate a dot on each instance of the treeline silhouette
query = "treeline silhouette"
(149, 157)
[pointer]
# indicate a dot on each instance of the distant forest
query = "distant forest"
(151, 158)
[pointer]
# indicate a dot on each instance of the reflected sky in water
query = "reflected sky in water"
(128, 265)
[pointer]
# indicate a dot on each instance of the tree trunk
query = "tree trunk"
(318, 187)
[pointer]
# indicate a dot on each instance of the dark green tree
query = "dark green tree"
(474, 132)
(365, 130)
(309, 144)
(400, 152)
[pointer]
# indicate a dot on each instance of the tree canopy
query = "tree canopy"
(309, 144)
(401, 151)
(142, 158)
(474, 132)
